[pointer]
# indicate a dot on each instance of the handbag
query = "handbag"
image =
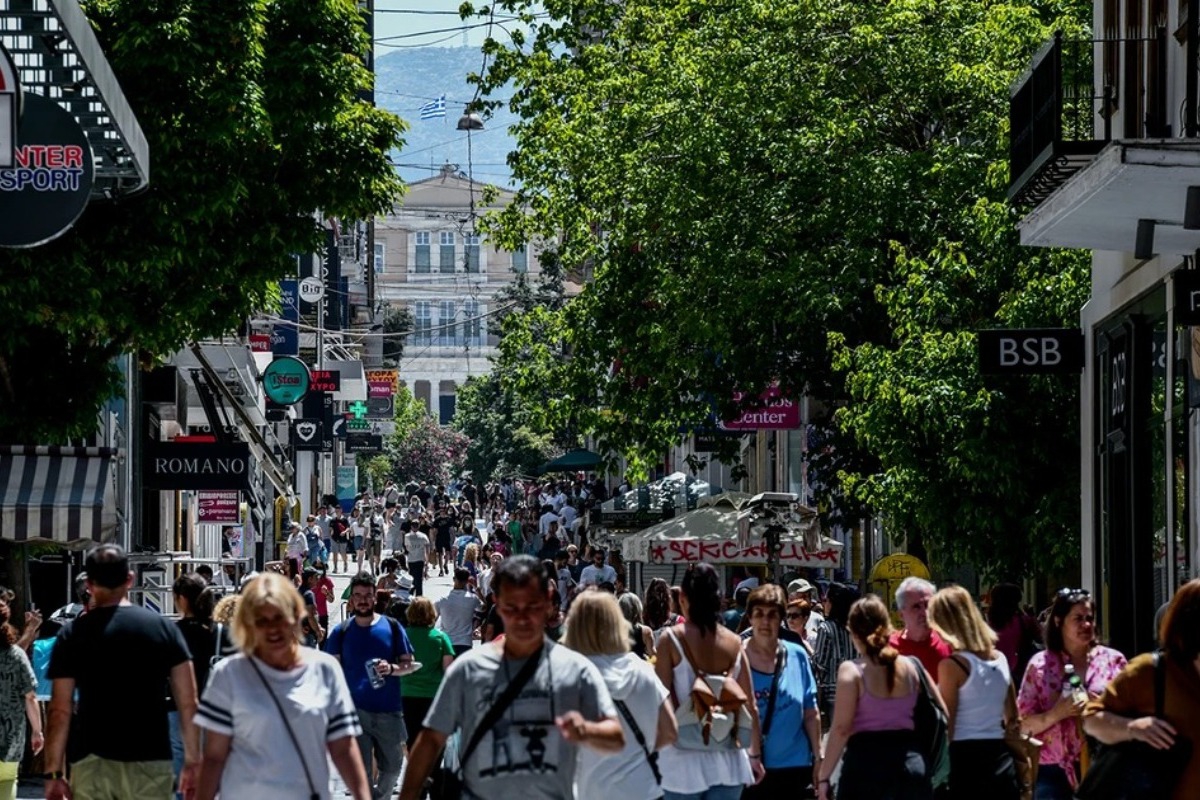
(1135, 770)
(932, 730)
(1026, 751)
(450, 780)
(312, 787)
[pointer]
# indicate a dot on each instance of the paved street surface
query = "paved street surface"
(435, 589)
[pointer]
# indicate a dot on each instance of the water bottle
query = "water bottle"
(1073, 685)
(374, 675)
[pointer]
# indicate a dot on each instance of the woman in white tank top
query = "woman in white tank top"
(977, 687)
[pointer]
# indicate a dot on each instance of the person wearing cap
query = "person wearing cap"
(800, 589)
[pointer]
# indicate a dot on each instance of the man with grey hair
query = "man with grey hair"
(917, 638)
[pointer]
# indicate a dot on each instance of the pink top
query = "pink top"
(883, 713)
(1041, 689)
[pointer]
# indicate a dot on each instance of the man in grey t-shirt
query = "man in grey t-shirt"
(456, 613)
(529, 754)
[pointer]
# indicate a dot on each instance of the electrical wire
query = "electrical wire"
(271, 318)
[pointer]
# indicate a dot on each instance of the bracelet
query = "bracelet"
(756, 755)
(54, 776)
(823, 780)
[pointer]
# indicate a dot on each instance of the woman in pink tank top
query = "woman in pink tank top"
(872, 730)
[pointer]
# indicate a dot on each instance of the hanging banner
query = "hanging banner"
(772, 411)
(347, 487)
(218, 508)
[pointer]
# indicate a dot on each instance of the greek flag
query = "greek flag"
(434, 109)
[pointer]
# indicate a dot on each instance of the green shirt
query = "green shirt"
(429, 645)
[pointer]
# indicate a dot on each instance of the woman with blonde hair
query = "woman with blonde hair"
(873, 729)
(976, 686)
(471, 560)
(275, 713)
(596, 628)
(433, 650)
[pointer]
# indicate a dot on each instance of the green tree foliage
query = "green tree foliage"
(397, 324)
(503, 443)
(251, 112)
(757, 190)
(427, 452)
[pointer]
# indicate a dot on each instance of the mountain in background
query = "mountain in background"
(408, 79)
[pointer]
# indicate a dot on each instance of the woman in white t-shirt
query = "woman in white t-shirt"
(977, 687)
(597, 629)
(274, 712)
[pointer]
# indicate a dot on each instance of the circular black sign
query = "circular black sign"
(51, 180)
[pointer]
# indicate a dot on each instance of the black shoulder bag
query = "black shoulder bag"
(312, 787)
(451, 780)
(651, 756)
(1135, 770)
(770, 715)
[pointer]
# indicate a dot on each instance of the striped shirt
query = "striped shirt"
(833, 647)
(263, 764)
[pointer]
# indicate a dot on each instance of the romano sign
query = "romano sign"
(195, 465)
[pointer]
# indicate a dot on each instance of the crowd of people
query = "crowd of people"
(540, 676)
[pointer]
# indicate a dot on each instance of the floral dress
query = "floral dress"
(1043, 686)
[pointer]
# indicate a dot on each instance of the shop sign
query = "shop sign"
(772, 411)
(347, 486)
(308, 434)
(1187, 297)
(381, 382)
(311, 290)
(286, 380)
(325, 380)
(10, 101)
(50, 181)
(260, 343)
(285, 337)
(1030, 351)
(195, 465)
(690, 551)
(364, 443)
(219, 508)
(710, 441)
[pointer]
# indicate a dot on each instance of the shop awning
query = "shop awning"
(57, 494)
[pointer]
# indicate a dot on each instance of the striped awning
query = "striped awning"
(57, 494)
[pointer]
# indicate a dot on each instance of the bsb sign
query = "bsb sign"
(1030, 351)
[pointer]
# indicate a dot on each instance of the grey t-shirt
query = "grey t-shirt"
(417, 543)
(523, 755)
(456, 616)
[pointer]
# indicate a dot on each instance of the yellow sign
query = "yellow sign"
(391, 376)
(890, 571)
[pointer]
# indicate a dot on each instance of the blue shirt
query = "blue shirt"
(355, 645)
(787, 744)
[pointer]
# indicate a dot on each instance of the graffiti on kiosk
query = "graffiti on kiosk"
(693, 550)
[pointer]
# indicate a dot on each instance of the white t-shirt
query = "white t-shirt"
(297, 544)
(456, 616)
(626, 775)
(544, 522)
(263, 764)
(569, 514)
(417, 544)
(593, 575)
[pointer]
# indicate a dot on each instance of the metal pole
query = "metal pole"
(1189, 68)
(1169, 439)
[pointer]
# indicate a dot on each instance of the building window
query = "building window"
(422, 321)
(380, 257)
(422, 254)
(447, 324)
(446, 253)
(472, 323)
(520, 260)
(471, 243)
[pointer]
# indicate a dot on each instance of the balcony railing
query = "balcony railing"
(1062, 110)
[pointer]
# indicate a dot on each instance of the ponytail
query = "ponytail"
(869, 621)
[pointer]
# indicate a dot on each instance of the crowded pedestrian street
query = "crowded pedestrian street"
(592, 400)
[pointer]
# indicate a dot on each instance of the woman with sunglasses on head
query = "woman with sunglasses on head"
(1047, 711)
(798, 614)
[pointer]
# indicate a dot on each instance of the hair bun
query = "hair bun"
(877, 640)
